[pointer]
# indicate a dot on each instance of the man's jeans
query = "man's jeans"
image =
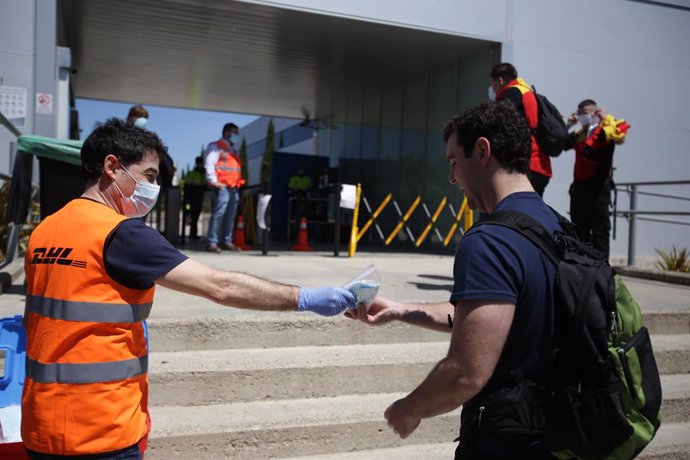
(222, 223)
(131, 453)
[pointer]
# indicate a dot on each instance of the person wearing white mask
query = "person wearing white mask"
(91, 271)
(590, 192)
(138, 116)
(504, 85)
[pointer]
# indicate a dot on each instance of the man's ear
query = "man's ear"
(483, 149)
(110, 165)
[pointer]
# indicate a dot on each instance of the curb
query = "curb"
(654, 275)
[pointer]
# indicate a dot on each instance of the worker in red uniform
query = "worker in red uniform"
(590, 192)
(504, 84)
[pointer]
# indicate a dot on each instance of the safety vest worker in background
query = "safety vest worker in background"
(224, 174)
(91, 269)
(590, 192)
(504, 84)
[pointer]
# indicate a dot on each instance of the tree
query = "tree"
(243, 160)
(267, 160)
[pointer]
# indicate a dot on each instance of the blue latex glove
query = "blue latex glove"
(326, 301)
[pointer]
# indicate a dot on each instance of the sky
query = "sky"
(184, 131)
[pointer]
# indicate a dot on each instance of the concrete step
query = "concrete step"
(217, 376)
(671, 443)
(292, 330)
(270, 429)
(341, 428)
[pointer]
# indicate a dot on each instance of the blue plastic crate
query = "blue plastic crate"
(13, 343)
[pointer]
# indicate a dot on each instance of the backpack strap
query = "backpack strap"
(529, 228)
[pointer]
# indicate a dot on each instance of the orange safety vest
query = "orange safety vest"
(86, 382)
(229, 166)
(539, 161)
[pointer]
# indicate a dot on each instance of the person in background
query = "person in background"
(590, 192)
(504, 85)
(91, 272)
(195, 186)
(224, 174)
(500, 314)
(138, 116)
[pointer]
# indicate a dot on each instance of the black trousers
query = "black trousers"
(538, 181)
(195, 199)
(589, 209)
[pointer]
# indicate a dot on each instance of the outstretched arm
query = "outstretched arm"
(479, 334)
(246, 291)
(436, 316)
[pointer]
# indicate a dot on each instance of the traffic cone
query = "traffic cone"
(302, 239)
(238, 236)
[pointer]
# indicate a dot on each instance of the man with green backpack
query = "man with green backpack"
(547, 353)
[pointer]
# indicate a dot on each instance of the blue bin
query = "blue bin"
(13, 343)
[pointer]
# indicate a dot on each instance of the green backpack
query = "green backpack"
(604, 398)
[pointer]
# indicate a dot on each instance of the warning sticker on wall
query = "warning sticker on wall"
(44, 103)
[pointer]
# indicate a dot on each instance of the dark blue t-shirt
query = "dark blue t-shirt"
(498, 263)
(136, 255)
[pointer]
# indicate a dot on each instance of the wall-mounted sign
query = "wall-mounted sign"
(44, 103)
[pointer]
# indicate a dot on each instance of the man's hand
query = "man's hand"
(399, 420)
(381, 311)
(572, 119)
(217, 185)
(326, 301)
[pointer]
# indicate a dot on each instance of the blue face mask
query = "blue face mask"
(141, 122)
(235, 138)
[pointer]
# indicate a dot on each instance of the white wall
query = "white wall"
(16, 63)
(631, 57)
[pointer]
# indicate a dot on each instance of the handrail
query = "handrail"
(633, 214)
(8, 124)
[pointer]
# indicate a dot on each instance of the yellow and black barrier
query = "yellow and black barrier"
(356, 233)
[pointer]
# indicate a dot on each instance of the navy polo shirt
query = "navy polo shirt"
(136, 255)
(498, 263)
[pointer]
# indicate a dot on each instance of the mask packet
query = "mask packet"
(365, 285)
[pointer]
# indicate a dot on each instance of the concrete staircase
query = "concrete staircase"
(293, 386)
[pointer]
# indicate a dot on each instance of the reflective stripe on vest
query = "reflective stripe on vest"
(95, 312)
(86, 373)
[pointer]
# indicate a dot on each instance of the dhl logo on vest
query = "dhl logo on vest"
(53, 255)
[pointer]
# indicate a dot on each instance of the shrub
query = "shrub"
(675, 259)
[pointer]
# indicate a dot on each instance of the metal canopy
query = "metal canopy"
(233, 56)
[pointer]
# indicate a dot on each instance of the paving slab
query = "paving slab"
(404, 276)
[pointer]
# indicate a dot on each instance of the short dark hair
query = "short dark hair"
(137, 111)
(508, 134)
(504, 70)
(122, 139)
(585, 103)
(228, 127)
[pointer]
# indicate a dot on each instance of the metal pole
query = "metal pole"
(632, 224)
(336, 239)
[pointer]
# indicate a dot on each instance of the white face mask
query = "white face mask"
(585, 119)
(143, 198)
(140, 122)
(492, 94)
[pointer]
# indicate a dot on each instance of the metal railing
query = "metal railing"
(633, 215)
(12, 231)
